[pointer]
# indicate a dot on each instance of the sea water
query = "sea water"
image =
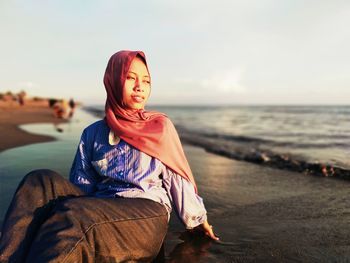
(313, 133)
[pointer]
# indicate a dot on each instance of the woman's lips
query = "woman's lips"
(138, 99)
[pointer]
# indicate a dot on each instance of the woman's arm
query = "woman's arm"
(189, 206)
(82, 172)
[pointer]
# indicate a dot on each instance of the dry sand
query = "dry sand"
(12, 115)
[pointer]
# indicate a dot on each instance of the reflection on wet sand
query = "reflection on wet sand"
(193, 248)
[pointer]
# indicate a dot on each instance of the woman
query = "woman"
(128, 170)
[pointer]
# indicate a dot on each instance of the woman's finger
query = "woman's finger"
(211, 234)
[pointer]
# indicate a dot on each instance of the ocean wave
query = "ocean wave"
(271, 143)
(242, 151)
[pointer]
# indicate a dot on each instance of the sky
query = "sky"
(222, 52)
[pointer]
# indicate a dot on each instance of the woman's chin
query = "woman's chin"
(136, 107)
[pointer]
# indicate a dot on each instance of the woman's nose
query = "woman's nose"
(138, 86)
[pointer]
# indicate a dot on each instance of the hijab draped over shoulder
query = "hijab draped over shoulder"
(149, 131)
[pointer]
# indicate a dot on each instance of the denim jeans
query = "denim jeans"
(52, 220)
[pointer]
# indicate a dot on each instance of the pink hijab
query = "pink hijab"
(149, 131)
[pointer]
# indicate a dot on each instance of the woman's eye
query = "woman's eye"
(147, 81)
(130, 77)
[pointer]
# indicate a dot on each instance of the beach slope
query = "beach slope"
(13, 115)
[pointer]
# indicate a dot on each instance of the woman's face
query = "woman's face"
(137, 86)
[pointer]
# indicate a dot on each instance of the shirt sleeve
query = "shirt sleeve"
(82, 173)
(188, 205)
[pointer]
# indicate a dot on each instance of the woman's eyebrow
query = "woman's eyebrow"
(136, 74)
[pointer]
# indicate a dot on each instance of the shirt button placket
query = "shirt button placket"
(123, 159)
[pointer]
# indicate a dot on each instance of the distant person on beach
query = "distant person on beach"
(128, 173)
(58, 111)
(72, 107)
(20, 97)
(61, 109)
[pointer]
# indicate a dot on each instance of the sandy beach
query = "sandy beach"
(12, 115)
(261, 214)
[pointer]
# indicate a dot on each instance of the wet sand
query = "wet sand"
(12, 115)
(264, 214)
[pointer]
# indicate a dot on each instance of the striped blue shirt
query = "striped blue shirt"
(107, 166)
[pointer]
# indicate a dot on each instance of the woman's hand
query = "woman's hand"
(207, 230)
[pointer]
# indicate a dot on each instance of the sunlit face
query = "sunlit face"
(137, 86)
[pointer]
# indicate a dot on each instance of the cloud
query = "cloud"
(225, 81)
(27, 84)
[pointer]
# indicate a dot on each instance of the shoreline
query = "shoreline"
(12, 116)
(238, 149)
(264, 157)
(262, 214)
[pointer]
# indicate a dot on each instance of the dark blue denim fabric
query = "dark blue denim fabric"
(52, 220)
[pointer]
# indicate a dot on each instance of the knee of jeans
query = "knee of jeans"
(42, 174)
(73, 205)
